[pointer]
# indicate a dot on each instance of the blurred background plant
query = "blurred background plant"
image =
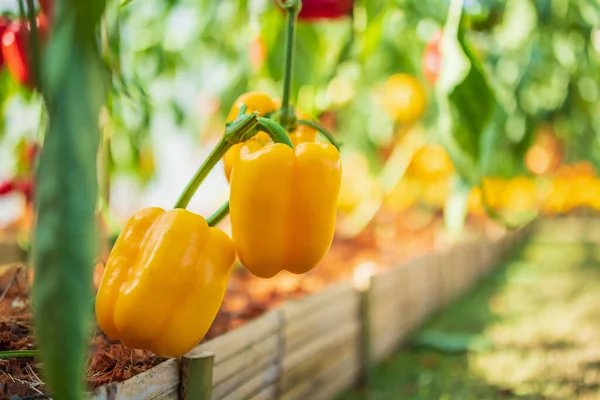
(490, 111)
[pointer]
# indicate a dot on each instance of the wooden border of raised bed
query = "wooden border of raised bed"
(320, 345)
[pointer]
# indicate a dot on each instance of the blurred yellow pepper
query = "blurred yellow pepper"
(283, 205)
(164, 281)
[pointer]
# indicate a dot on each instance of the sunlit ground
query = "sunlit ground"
(530, 331)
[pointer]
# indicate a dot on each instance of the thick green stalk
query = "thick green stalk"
(292, 8)
(65, 237)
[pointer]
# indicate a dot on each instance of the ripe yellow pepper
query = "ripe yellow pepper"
(303, 133)
(164, 281)
(263, 104)
(256, 102)
(283, 205)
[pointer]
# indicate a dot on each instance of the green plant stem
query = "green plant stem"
(322, 130)
(18, 354)
(35, 45)
(243, 128)
(218, 215)
(22, 12)
(208, 164)
(275, 131)
(292, 8)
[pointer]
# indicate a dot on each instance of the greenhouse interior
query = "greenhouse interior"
(299, 199)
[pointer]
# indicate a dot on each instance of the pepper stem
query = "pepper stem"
(240, 130)
(321, 130)
(292, 8)
(18, 354)
(218, 215)
(275, 131)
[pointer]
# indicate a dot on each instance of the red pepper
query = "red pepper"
(33, 150)
(27, 188)
(7, 187)
(325, 9)
(16, 51)
(47, 7)
(4, 22)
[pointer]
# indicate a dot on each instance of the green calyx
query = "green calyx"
(274, 130)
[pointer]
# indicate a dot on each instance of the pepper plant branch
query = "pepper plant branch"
(234, 133)
(322, 130)
(292, 8)
(218, 215)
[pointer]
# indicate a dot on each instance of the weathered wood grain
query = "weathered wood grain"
(293, 309)
(235, 342)
(234, 371)
(320, 321)
(158, 383)
(264, 379)
(312, 366)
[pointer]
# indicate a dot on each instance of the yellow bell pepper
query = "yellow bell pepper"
(303, 133)
(164, 281)
(263, 104)
(255, 102)
(283, 205)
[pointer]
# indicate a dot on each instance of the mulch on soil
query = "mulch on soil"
(387, 241)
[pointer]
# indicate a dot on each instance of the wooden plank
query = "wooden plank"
(319, 322)
(395, 281)
(425, 294)
(158, 383)
(322, 385)
(336, 381)
(265, 378)
(237, 370)
(319, 347)
(268, 393)
(388, 331)
(387, 342)
(299, 309)
(234, 342)
(315, 365)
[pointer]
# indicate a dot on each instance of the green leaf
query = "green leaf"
(448, 342)
(464, 98)
(64, 244)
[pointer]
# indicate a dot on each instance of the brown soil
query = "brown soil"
(389, 240)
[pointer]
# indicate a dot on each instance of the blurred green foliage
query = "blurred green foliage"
(537, 60)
